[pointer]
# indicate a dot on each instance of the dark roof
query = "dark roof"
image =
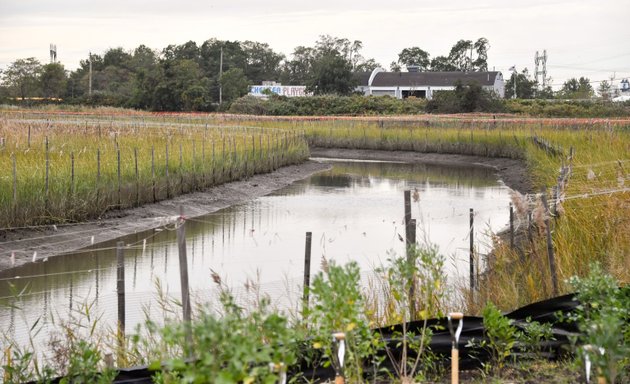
(362, 77)
(433, 79)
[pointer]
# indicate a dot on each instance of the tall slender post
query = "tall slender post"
(307, 271)
(72, 174)
(135, 160)
(98, 175)
(47, 173)
(120, 289)
(409, 243)
(550, 254)
(153, 172)
(511, 226)
(119, 175)
(471, 235)
(183, 274)
(14, 184)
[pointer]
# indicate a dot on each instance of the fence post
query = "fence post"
(511, 226)
(183, 275)
(410, 240)
(550, 254)
(472, 249)
(120, 289)
(135, 159)
(307, 272)
(167, 181)
(119, 176)
(72, 175)
(181, 169)
(412, 283)
(14, 185)
(98, 175)
(47, 174)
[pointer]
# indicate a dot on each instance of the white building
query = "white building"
(422, 84)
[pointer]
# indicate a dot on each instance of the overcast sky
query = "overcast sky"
(583, 38)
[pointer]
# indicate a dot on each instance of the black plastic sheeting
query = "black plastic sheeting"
(544, 312)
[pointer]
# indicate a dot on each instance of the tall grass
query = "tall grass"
(68, 168)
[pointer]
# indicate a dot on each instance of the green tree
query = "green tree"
(261, 63)
(525, 86)
(331, 74)
(604, 90)
(577, 89)
(53, 80)
(22, 77)
(234, 85)
(442, 64)
(414, 56)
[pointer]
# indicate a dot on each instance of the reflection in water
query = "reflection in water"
(355, 212)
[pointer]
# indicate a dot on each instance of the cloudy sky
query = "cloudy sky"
(582, 37)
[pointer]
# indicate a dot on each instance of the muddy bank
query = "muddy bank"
(49, 241)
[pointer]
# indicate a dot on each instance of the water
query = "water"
(355, 212)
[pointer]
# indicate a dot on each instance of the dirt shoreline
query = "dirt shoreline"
(49, 241)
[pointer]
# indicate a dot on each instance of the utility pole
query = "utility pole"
(515, 74)
(220, 75)
(90, 77)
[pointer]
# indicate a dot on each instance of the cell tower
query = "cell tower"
(541, 67)
(53, 53)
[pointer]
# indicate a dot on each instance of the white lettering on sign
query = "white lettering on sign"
(282, 90)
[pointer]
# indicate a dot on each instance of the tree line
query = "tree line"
(210, 76)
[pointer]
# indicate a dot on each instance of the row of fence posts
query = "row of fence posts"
(275, 140)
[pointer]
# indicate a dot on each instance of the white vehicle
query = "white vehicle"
(621, 99)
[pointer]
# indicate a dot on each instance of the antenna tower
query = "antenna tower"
(53, 53)
(541, 67)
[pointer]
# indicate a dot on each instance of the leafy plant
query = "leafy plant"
(338, 306)
(236, 347)
(603, 318)
(414, 291)
(85, 366)
(501, 336)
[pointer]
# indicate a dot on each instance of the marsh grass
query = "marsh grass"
(65, 169)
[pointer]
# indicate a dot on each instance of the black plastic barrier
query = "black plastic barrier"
(544, 312)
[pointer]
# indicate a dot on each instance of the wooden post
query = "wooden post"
(181, 169)
(153, 172)
(98, 175)
(47, 174)
(307, 272)
(472, 249)
(412, 283)
(550, 254)
(183, 275)
(407, 195)
(120, 289)
(135, 159)
(409, 243)
(167, 181)
(119, 176)
(14, 184)
(72, 174)
(511, 226)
